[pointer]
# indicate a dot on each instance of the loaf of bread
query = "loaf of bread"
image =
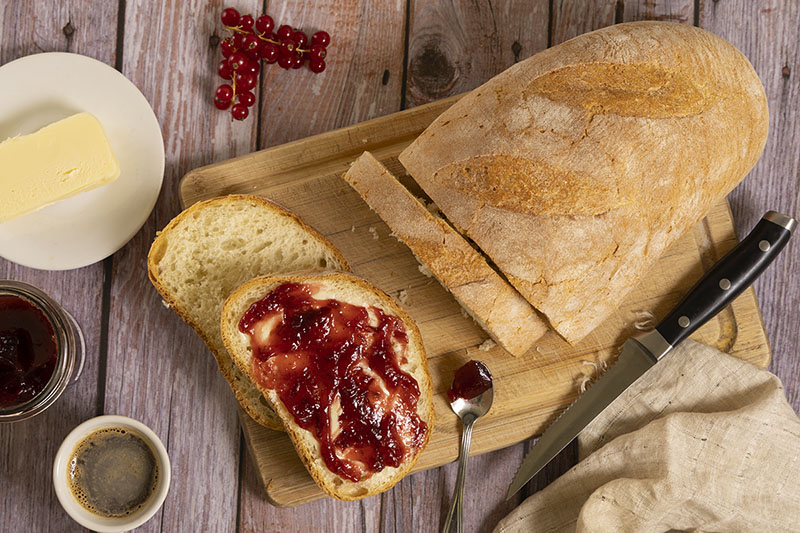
(575, 169)
(211, 248)
(487, 297)
(346, 389)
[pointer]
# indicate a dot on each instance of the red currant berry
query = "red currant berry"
(269, 52)
(264, 24)
(286, 61)
(227, 48)
(230, 17)
(246, 80)
(298, 61)
(288, 47)
(224, 70)
(221, 105)
(252, 67)
(247, 98)
(251, 43)
(317, 51)
(246, 23)
(316, 65)
(321, 38)
(237, 61)
(240, 111)
(238, 41)
(300, 38)
(224, 93)
(285, 32)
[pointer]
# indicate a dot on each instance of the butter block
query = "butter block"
(61, 160)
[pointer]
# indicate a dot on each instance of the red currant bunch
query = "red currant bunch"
(252, 41)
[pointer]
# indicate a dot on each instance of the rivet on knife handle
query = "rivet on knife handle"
(728, 278)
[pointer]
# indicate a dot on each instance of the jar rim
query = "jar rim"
(65, 343)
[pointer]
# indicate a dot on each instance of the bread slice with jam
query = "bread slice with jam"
(345, 370)
(210, 249)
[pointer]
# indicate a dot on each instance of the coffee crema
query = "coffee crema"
(112, 472)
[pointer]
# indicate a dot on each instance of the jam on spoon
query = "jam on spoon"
(470, 381)
(471, 396)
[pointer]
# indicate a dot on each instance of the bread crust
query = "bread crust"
(575, 169)
(234, 308)
(264, 416)
(491, 301)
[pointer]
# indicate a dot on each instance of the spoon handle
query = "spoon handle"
(454, 521)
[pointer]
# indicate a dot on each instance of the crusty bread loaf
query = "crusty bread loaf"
(211, 248)
(348, 288)
(576, 168)
(490, 300)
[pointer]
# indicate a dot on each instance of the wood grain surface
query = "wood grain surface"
(143, 362)
(27, 449)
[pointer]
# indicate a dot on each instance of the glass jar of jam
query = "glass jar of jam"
(41, 351)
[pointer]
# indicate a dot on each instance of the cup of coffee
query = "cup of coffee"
(111, 473)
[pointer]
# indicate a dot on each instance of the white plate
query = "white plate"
(42, 88)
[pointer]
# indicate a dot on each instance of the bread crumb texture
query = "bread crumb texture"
(207, 251)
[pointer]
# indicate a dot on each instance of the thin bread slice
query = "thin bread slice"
(211, 248)
(412, 360)
(483, 293)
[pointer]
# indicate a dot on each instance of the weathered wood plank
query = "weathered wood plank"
(327, 515)
(158, 370)
(363, 75)
(27, 499)
(667, 10)
(362, 81)
(767, 33)
(571, 18)
(455, 46)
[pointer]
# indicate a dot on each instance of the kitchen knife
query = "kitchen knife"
(716, 289)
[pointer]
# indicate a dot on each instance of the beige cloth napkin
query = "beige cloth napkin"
(702, 442)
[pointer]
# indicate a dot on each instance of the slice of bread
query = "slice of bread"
(488, 298)
(211, 248)
(353, 290)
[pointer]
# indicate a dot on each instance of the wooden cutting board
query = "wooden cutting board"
(305, 177)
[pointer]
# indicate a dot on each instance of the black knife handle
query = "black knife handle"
(728, 277)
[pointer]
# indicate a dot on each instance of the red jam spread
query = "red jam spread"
(471, 380)
(28, 351)
(336, 368)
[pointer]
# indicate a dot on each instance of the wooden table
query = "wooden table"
(144, 363)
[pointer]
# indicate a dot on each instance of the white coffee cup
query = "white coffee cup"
(94, 521)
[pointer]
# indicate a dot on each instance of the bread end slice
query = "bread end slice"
(491, 301)
(214, 246)
(343, 287)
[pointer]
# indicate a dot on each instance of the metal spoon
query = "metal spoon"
(469, 402)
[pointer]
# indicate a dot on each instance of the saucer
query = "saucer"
(42, 88)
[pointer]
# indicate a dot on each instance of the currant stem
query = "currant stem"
(261, 36)
(235, 29)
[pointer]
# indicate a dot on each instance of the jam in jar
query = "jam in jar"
(28, 350)
(41, 350)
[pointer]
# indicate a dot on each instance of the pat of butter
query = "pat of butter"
(58, 161)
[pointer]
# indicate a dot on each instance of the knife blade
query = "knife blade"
(717, 288)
